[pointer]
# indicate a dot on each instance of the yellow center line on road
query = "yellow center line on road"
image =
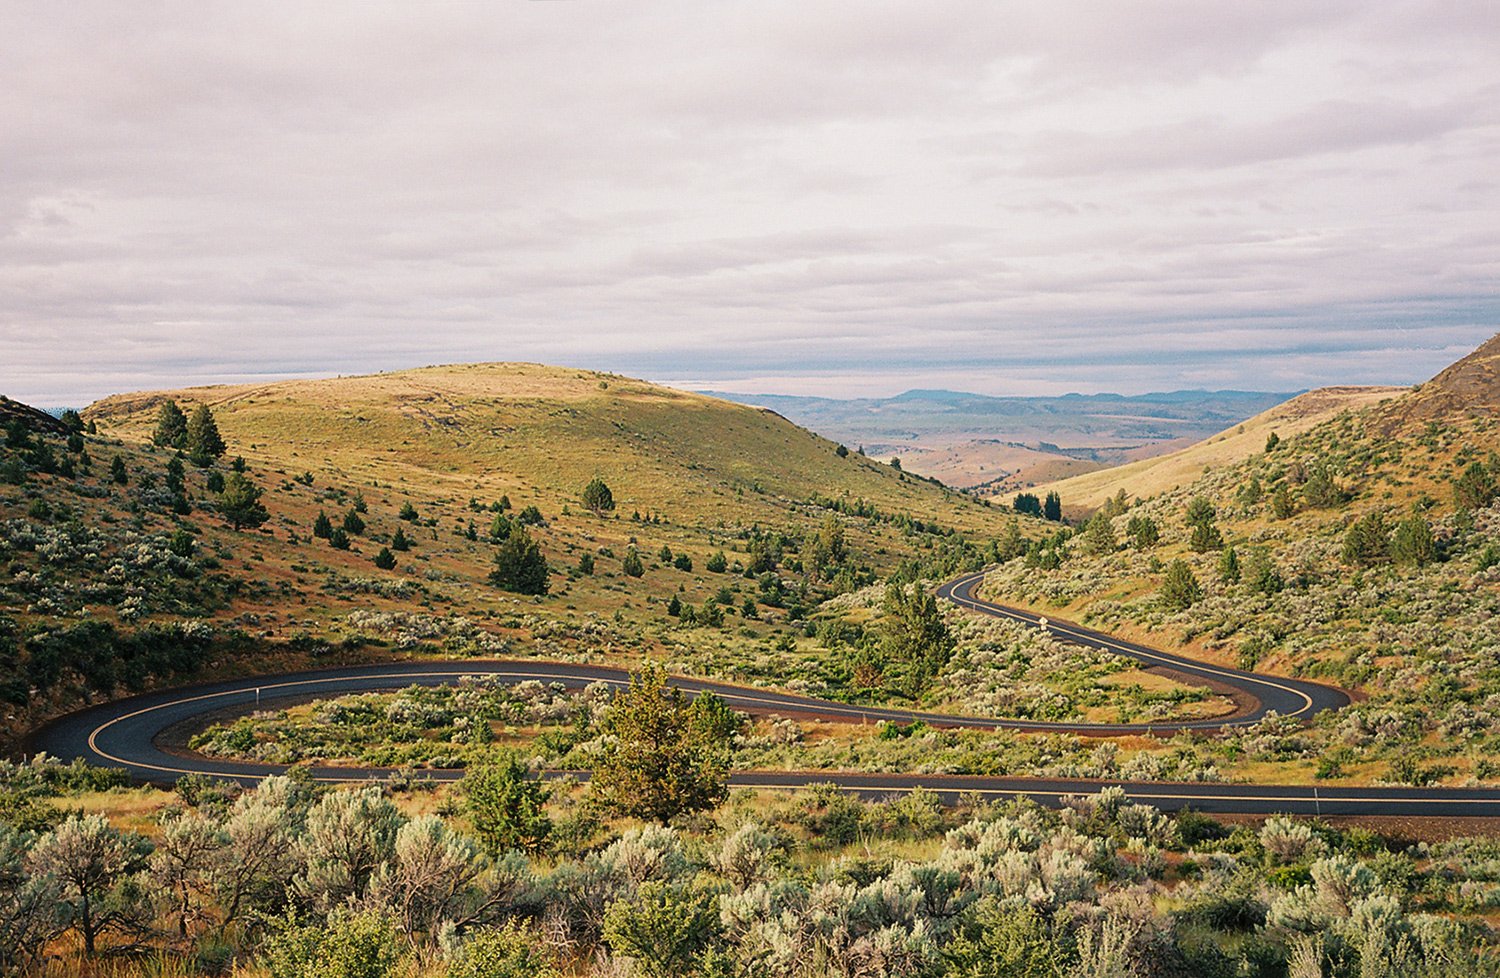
(1027, 618)
(1134, 789)
(782, 701)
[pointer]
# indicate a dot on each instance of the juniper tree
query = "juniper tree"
(915, 634)
(597, 496)
(664, 929)
(171, 426)
(506, 806)
(204, 443)
(1366, 541)
(1200, 517)
(519, 565)
(1205, 536)
(1321, 490)
(322, 526)
(1474, 488)
(632, 565)
(399, 541)
(1229, 566)
(1099, 536)
(663, 755)
(1259, 573)
(1143, 532)
(1412, 542)
(1180, 588)
(1282, 506)
(385, 560)
(239, 503)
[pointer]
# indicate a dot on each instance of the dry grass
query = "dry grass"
(539, 433)
(1153, 476)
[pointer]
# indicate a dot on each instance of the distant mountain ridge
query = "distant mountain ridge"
(1005, 442)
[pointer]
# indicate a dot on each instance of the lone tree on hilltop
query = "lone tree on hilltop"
(204, 443)
(239, 503)
(519, 565)
(664, 755)
(171, 426)
(597, 496)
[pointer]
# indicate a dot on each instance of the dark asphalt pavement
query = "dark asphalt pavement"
(126, 733)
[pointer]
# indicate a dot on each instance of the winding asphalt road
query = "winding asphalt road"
(128, 733)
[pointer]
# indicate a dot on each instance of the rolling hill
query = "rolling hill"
(730, 527)
(1084, 493)
(543, 432)
(1361, 547)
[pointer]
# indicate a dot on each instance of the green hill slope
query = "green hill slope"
(730, 530)
(1082, 494)
(1366, 552)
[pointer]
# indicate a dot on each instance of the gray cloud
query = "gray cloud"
(858, 196)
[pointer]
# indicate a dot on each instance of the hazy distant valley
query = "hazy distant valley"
(999, 444)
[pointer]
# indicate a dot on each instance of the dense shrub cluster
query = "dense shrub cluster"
(308, 881)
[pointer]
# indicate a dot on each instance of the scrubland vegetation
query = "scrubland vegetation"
(1341, 554)
(293, 879)
(158, 538)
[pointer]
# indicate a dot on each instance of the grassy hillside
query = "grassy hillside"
(117, 579)
(1366, 552)
(1085, 493)
(543, 432)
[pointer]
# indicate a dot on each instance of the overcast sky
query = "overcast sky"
(805, 197)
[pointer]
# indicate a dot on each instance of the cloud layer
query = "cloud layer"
(840, 197)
